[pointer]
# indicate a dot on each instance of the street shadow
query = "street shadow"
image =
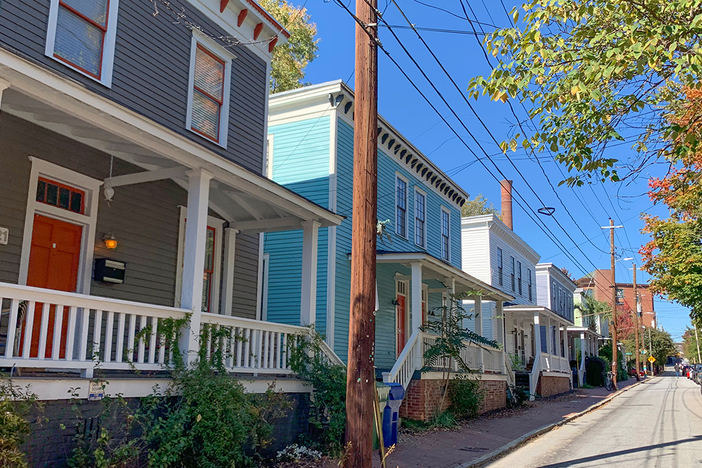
(605, 456)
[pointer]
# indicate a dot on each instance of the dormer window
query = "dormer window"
(82, 34)
(208, 95)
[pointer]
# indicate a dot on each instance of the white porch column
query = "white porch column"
(416, 305)
(583, 345)
(308, 298)
(228, 276)
(416, 296)
(549, 344)
(557, 337)
(500, 317)
(478, 311)
(537, 336)
(194, 258)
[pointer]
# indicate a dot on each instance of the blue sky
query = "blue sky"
(462, 56)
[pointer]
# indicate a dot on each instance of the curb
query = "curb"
(500, 452)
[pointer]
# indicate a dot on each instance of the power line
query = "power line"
(536, 220)
(481, 121)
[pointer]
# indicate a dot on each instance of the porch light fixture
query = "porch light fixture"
(110, 241)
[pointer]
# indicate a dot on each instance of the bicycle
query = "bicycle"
(609, 384)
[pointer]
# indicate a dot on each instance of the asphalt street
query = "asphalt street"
(655, 424)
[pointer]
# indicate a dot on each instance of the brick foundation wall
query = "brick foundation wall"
(48, 445)
(423, 397)
(550, 385)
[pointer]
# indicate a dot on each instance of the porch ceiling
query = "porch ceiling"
(248, 201)
(433, 268)
(528, 311)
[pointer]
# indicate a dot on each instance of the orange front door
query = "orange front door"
(401, 323)
(53, 264)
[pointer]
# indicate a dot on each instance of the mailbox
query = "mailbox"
(109, 271)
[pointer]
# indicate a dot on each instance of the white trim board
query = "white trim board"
(218, 224)
(88, 221)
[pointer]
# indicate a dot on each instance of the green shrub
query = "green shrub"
(595, 367)
(15, 404)
(517, 396)
(465, 394)
(328, 401)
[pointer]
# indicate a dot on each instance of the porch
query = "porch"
(183, 224)
(539, 345)
(584, 343)
(425, 272)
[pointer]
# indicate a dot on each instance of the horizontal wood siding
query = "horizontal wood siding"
(344, 188)
(143, 217)
(151, 68)
(300, 163)
(475, 253)
(388, 167)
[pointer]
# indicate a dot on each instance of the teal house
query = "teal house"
(310, 151)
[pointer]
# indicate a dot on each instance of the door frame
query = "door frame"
(87, 221)
(407, 322)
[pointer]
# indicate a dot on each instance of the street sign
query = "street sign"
(651, 359)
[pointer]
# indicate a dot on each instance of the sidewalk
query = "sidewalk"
(489, 432)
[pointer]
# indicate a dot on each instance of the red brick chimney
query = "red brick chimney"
(506, 196)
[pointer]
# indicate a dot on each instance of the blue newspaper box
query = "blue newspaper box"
(391, 414)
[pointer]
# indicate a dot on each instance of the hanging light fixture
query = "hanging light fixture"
(110, 241)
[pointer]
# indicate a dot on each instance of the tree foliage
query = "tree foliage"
(690, 345)
(673, 256)
(291, 59)
(478, 206)
(595, 74)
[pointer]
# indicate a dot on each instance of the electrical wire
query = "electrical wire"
(528, 211)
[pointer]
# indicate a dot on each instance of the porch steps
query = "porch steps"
(521, 379)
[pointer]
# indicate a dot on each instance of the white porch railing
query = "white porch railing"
(547, 363)
(407, 362)
(42, 328)
(254, 346)
(412, 359)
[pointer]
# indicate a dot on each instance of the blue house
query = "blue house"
(310, 151)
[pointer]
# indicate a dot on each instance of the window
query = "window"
(499, 266)
(420, 202)
(401, 213)
(268, 161)
(519, 277)
(529, 284)
(553, 295)
(81, 34)
(59, 195)
(213, 262)
(445, 234)
(208, 93)
(513, 285)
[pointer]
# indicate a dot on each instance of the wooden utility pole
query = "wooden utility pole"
(360, 374)
(615, 349)
(636, 323)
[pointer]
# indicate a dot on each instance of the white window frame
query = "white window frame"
(108, 45)
(227, 57)
(406, 294)
(87, 221)
(218, 225)
(424, 228)
(397, 224)
(441, 235)
(500, 269)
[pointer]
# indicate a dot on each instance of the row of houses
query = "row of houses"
(147, 175)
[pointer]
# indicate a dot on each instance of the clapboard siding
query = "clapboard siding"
(344, 190)
(388, 168)
(147, 231)
(475, 252)
(301, 163)
(151, 67)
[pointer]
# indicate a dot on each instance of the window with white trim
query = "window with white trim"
(519, 277)
(512, 275)
(213, 262)
(445, 235)
(420, 213)
(81, 34)
(401, 207)
(499, 266)
(209, 89)
(529, 283)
